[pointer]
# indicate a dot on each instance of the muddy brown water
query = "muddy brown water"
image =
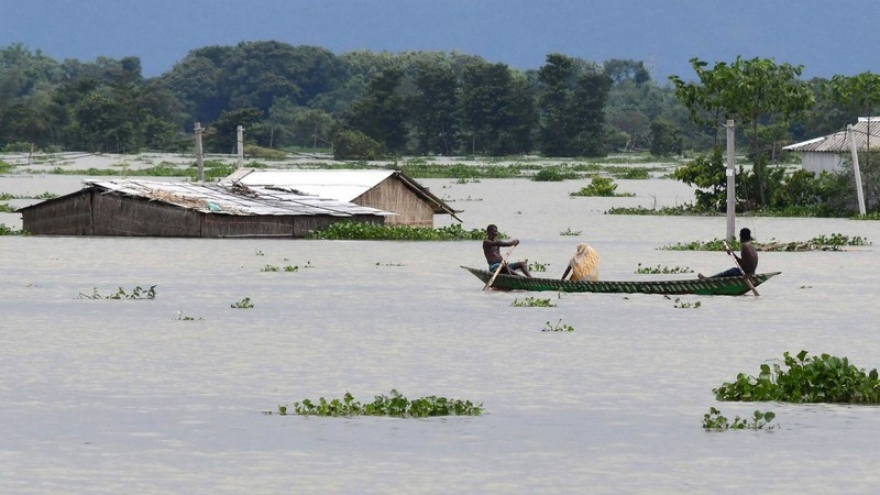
(124, 396)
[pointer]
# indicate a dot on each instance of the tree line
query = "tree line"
(365, 105)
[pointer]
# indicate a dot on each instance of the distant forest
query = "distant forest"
(360, 104)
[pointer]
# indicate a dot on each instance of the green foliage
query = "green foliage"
(394, 405)
(641, 210)
(274, 268)
(532, 302)
(713, 420)
(600, 186)
(807, 379)
(348, 230)
(5, 230)
(558, 327)
(553, 174)
(537, 267)
(243, 304)
(136, 293)
(568, 231)
(662, 270)
(355, 145)
(679, 304)
(833, 242)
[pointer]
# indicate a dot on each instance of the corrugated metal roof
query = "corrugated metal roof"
(244, 201)
(839, 142)
(344, 185)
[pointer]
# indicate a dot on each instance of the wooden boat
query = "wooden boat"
(725, 286)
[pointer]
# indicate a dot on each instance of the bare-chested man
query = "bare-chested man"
(492, 250)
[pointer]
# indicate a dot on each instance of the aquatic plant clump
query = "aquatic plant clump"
(394, 405)
(833, 242)
(807, 379)
(714, 420)
(366, 231)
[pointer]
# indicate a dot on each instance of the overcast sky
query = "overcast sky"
(826, 37)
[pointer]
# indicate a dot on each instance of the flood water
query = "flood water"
(131, 396)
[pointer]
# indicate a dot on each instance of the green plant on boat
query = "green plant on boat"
(137, 293)
(665, 270)
(807, 379)
(714, 420)
(532, 302)
(243, 304)
(394, 405)
(558, 327)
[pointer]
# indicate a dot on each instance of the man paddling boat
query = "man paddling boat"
(492, 251)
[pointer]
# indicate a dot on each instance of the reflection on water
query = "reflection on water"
(107, 396)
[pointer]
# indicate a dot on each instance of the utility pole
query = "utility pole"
(731, 180)
(240, 131)
(855, 159)
(200, 157)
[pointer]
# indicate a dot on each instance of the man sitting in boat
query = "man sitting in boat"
(492, 250)
(747, 259)
(584, 265)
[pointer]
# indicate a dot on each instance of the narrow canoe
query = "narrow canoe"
(726, 286)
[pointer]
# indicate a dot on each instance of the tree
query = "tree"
(751, 92)
(381, 114)
(435, 108)
(497, 108)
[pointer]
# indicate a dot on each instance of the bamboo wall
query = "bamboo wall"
(392, 195)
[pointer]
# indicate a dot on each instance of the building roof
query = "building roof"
(241, 201)
(342, 185)
(866, 130)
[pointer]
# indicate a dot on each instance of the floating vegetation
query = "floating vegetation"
(389, 264)
(258, 252)
(538, 267)
(558, 327)
(554, 174)
(182, 317)
(4, 230)
(394, 405)
(273, 268)
(136, 293)
(347, 230)
(808, 379)
(602, 187)
(713, 420)
(243, 304)
(665, 270)
(533, 302)
(5, 208)
(641, 210)
(834, 242)
(568, 231)
(684, 304)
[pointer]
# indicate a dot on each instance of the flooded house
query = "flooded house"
(247, 203)
(413, 205)
(181, 209)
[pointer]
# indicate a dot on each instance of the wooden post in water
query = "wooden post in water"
(731, 180)
(200, 157)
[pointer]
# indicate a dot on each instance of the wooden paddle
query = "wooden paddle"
(500, 266)
(746, 277)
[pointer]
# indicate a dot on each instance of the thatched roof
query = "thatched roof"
(866, 130)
